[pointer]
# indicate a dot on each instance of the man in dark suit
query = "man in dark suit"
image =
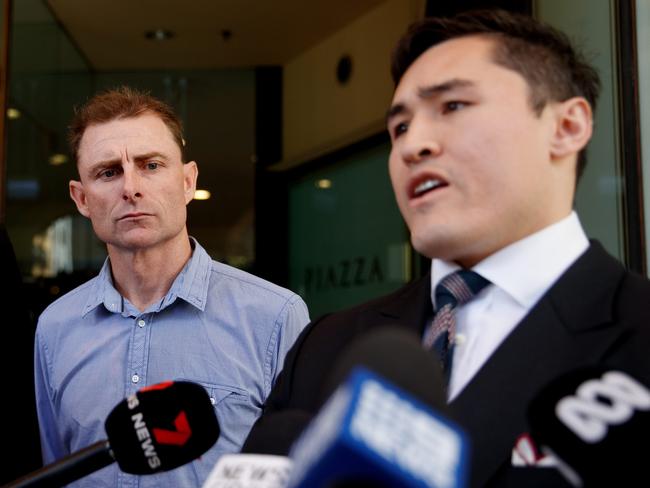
(489, 123)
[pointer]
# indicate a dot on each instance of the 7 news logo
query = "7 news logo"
(176, 437)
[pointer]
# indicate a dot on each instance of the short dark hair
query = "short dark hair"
(543, 55)
(120, 103)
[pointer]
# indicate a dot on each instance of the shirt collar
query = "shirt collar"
(191, 285)
(526, 269)
(193, 281)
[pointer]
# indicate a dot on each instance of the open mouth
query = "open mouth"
(425, 185)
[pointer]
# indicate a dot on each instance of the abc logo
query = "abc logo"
(601, 403)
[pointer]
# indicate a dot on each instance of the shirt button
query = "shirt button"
(141, 323)
(135, 378)
(460, 339)
(212, 400)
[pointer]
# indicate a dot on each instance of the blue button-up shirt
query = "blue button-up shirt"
(217, 326)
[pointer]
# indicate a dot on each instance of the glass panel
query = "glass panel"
(643, 46)
(347, 240)
(598, 200)
(47, 78)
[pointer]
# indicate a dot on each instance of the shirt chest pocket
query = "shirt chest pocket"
(221, 393)
(236, 412)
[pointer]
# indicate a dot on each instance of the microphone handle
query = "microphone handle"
(68, 469)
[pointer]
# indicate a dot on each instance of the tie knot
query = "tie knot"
(459, 288)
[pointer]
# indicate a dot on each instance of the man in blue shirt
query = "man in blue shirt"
(160, 308)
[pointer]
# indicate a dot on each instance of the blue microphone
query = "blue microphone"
(376, 431)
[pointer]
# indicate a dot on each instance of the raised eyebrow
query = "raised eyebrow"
(147, 156)
(439, 88)
(108, 163)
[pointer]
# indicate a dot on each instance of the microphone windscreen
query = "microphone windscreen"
(397, 356)
(249, 471)
(162, 427)
(372, 433)
(594, 421)
(275, 433)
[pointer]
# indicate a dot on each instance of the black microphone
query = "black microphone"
(593, 421)
(160, 427)
(386, 423)
(398, 356)
(275, 433)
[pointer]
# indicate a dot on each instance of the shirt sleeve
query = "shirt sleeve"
(291, 322)
(51, 445)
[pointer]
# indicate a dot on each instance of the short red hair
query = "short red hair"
(121, 103)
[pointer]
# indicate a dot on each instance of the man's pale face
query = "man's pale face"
(470, 163)
(134, 186)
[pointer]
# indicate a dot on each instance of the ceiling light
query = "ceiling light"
(57, 159)
(201, 195)
(323, 184)
(13, 113)
(159, 34)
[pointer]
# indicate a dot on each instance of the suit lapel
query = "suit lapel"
(571, 326)
(411, 308)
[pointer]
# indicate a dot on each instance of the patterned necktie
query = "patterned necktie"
(454, 290)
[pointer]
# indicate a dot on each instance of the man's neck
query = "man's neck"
(144, 276)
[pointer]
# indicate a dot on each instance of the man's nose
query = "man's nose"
(420, 145)
(132, 184)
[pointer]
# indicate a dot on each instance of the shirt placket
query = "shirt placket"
(139, 354)
(136, 374)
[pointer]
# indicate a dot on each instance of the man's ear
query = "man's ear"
(573, 128)
(78, 195)
(190, 175)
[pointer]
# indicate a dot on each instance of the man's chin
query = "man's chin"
(134, 241)
(435, 247)
(425, 247)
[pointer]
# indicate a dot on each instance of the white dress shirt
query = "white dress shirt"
(520, 274)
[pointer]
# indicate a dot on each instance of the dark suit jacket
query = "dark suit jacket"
(596, 313)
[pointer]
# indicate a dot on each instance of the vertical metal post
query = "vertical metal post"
(5, 5)
(628, 81)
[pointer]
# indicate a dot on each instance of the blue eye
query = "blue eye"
(108, 173)
(152, 165)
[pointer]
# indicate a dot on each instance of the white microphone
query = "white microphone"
(249, 471)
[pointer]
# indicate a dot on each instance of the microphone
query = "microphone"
(592, 421)
(160, 427)
(249, 471)
(275, 433)
(387, 424)
(262, 462)
(398, 356)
